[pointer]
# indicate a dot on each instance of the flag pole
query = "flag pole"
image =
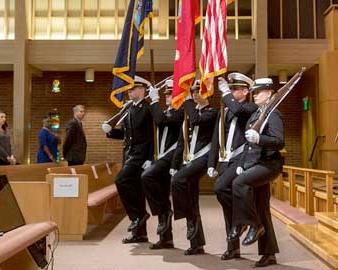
(152, 79)
(222, 119)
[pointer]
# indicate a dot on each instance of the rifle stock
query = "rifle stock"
(116, 118)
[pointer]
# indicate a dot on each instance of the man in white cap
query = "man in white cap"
(137, 133)
(156, 178)
(261, 163)
(227, 151)
(188, 169)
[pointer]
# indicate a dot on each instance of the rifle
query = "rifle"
(117, 118)
(275, 100)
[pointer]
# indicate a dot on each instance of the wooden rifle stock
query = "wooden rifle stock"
(116, 118)
(275, 100)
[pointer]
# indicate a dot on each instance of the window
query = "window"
(104, 19)
(7, 19)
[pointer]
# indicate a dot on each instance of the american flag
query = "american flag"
(214, 57)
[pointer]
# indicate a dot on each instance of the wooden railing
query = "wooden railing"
(302, 185)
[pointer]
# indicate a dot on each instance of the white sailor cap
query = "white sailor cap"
(169, 87)
(139, 81)
(262, 84)
(239, 79)
(196, 86)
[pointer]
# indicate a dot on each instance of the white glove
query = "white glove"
(106, 127)
(239, 170)
(146, 164)
(153, 94)
(12, 160)
(172, 172)
(252, 136)
(223, 86)
(212, 172)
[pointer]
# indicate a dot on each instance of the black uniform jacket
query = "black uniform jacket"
(169, 118)
(271, 140)
(205, 118)
(137, 132)
(241, 110)
(75, 145)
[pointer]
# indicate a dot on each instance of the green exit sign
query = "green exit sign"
(306, 104)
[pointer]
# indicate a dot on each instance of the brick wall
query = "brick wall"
(291, 109)
(95, 96)
(6, 96)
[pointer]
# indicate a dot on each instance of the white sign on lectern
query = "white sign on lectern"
(66, 187)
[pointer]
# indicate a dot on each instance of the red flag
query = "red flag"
(214, 58)
(185, 58)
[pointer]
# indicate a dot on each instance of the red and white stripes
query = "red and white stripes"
(214, 58)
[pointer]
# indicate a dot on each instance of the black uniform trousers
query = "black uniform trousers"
(156, 186)
(129, 186)
(185, 191)
(251, 200)
(224, 193)
(74, 163)
(223, 190)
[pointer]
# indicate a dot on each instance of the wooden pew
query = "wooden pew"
(34, 202)
(13, 244)
(70, 213)
(59, 169)
(105, 174)
(100, 190)
(33, 199)
(98, 195)
(28, 172)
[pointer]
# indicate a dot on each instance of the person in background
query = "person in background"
(48, 143)
(6, 157)
(75, 145)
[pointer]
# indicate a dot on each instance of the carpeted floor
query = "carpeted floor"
(102, 250)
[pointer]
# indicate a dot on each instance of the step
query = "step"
(321, 243)
(288, 214)
(328, 221)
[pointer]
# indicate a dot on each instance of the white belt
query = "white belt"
(229, 155)
(199, 154)
(161, 155)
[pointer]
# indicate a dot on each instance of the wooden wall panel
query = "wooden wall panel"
(289, 19)
(321, 6)
(296, 51)
(306, 19)
(274, 19)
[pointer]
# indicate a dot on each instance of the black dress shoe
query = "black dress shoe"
(253, 235)
(194, 251)
(192, 228)
(236, 232)
(231, 254)
(135, 239)
(266, 260)
(164, 222)
(132, 225)
(162, 245)
(138, 223)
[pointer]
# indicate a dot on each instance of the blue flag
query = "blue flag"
(131, 48)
